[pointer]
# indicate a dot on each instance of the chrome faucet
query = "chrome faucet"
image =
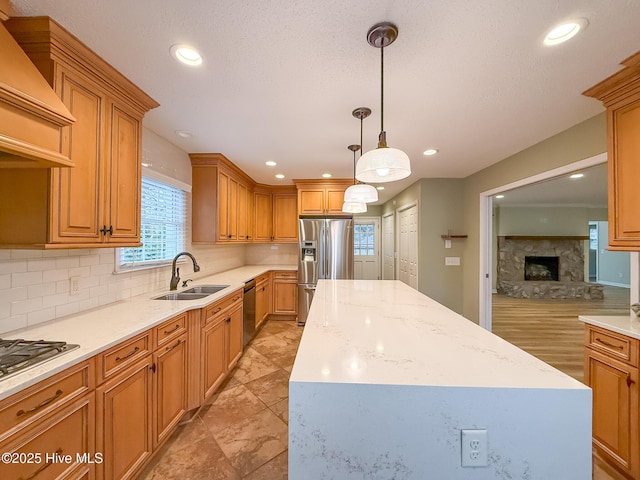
(175, 272)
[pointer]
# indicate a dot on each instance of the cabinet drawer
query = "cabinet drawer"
(71, 431)
(21, 409)
(220, 306)
(262, 278)
(286, 276)
(619, 346)
(170, 329)
(123, 355)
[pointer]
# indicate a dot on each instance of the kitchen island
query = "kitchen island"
(386, 379)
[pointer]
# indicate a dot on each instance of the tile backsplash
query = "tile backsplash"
(35, 284)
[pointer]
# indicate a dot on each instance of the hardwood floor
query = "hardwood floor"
(550, 330)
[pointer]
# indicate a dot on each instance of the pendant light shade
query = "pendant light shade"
(384, 164)
(362, 193)
(354, 207)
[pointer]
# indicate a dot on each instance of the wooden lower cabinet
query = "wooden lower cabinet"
(263, 298)
(67, 434)
(169, 388)
(221, 347)
(614, 382)
(285, 293)
(124, 424)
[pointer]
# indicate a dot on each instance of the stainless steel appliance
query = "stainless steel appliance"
(326, 251)
(18, 355)
(248, 312)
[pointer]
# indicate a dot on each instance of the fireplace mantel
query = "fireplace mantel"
(546, 237)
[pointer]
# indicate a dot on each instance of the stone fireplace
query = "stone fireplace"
(543, 267)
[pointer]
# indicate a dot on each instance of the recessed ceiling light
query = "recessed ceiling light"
(380, 187)
(326, 175)
(430, 151)
(577, 175)
(499, 196)
(183, 134)
(279, 175)
(565, 31)
(186, 54)
(270, 163)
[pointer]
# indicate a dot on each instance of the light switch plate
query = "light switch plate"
(452, 261)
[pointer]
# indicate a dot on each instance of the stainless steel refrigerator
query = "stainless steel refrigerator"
(326, 251)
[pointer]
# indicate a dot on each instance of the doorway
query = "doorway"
(388, 247)
(408, 246)
(366, 248)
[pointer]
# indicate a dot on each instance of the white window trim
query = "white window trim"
(167, 180)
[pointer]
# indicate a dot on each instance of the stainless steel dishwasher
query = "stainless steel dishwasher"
(249, 312)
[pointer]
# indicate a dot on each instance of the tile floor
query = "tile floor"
(241, 433)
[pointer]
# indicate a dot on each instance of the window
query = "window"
(363, 241)
(162, 226)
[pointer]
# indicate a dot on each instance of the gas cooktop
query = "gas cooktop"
(18, 355)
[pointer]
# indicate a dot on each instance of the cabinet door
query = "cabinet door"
(263, 217)
(170, 388)
(70, 431)
(124, 181)
(285, 218)
(615, 408)
(334, 200)
(223, 207)
(124, 435)
(285, 298)
(312, 201)
(232, 206)
(235, 336)
(262, 303)
(214, 360)
(243, 213)
(77, 192)
(624, 169)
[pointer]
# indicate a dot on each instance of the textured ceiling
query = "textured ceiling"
(280, 78)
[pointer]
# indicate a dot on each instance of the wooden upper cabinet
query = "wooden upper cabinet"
(285, 217)
(319, 197)
(228, 206)
(97, 202)
(620, 94)
(221, 195)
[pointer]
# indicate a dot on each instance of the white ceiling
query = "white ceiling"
(281, 78)
(588, 191)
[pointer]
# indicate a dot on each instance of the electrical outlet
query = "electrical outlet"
(74, 285)
(474, 448)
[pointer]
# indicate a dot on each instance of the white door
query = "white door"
(366, 248)
(388, 247)
(408, 251)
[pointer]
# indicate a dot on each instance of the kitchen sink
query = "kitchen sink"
(208, 289)
(181, 296)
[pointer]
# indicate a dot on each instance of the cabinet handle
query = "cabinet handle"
(42, 468)
(167, 332)
(235, 299)
(604, 342)
(118, 359)
(153, 367)
(629, 381)
(173, 346)
(44, 403)
(229, 320)
(104, 230)
(217, 310)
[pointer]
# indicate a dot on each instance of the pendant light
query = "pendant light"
(351, 206)
(361, 192)
(383, 164)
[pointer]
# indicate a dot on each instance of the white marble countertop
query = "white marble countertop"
(98, 329)
(628, 325)
(386, 333)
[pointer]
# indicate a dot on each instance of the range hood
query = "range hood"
(32, 116)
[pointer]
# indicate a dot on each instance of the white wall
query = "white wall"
(34, 284)
(551, 220)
